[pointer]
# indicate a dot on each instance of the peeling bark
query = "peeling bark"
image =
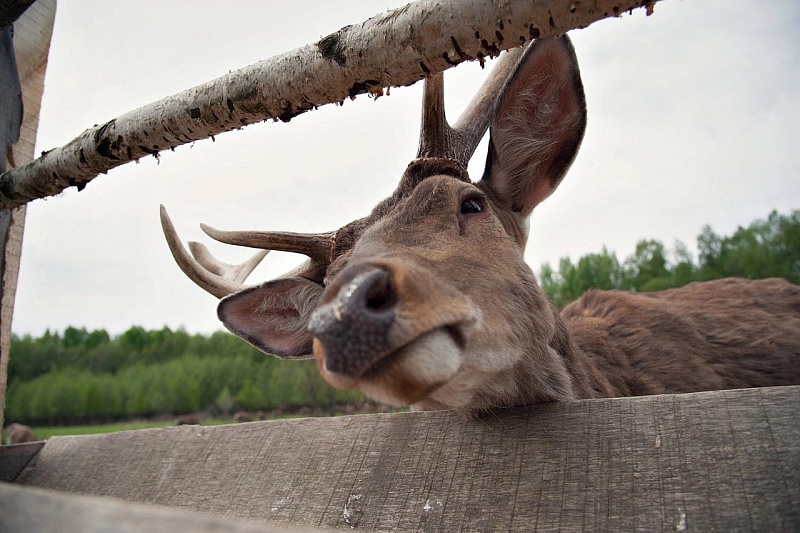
(396, 48)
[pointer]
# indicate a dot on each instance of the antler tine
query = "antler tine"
(435, 133)
(236, 273)
(317, 246)
(210, 275)
(437, 138)
(474, 121)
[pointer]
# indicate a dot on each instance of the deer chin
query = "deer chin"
(406, 376)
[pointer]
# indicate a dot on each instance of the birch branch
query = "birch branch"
(393, 49)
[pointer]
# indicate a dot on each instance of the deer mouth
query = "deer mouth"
(407, 374)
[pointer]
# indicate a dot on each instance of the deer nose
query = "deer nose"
(353, 327)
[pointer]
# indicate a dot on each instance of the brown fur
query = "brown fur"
(724, 334)
(18, 433)
(188, 420)
(518, 349)
(243, 416)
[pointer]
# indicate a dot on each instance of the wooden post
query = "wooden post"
(32, 32)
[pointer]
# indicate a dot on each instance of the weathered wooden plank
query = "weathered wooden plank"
(24, 510)
(15, 457)
(725, 460)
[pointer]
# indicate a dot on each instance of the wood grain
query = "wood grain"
(15, 457)
(724, 461)
(25, 510)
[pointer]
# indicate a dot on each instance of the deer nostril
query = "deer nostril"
(380, 296)
(353, 328)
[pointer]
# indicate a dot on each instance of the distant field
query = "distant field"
(44, 432)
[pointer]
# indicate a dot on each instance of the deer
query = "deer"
(18, 434)
(188, 420)
(428, 301)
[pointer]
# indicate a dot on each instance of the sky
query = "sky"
(694, 119)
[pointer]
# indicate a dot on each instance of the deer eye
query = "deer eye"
(471, 206)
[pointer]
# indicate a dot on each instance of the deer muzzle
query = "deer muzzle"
(387, 329)
(354, 326)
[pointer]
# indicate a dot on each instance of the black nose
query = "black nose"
(354, 325)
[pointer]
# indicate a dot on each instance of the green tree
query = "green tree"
(765, 248)
(74, 337)
(593, 271)
(647, 268)
(225, 402)
(135, 339)
(684, 269)
(29, 359)
(98, 337)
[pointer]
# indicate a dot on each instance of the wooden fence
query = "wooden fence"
(715, 461)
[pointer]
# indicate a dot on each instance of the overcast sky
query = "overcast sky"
(694, 119)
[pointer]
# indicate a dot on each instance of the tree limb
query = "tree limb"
(392, 49)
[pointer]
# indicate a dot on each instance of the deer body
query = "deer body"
(18, 433)
(428, 300)
(723, 334)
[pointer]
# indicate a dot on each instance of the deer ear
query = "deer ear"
(273, 316)
(538, 126)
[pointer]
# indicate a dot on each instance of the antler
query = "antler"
(317, 246)
(211, 275)
(438, 138)
(222, 279)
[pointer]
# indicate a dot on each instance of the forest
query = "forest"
(89, 376)
(767, 248)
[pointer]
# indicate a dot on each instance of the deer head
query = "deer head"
(428, 300)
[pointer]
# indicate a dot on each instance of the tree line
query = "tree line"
(764, 249)
(81, 375)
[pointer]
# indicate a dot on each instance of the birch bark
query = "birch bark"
(396, 48)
